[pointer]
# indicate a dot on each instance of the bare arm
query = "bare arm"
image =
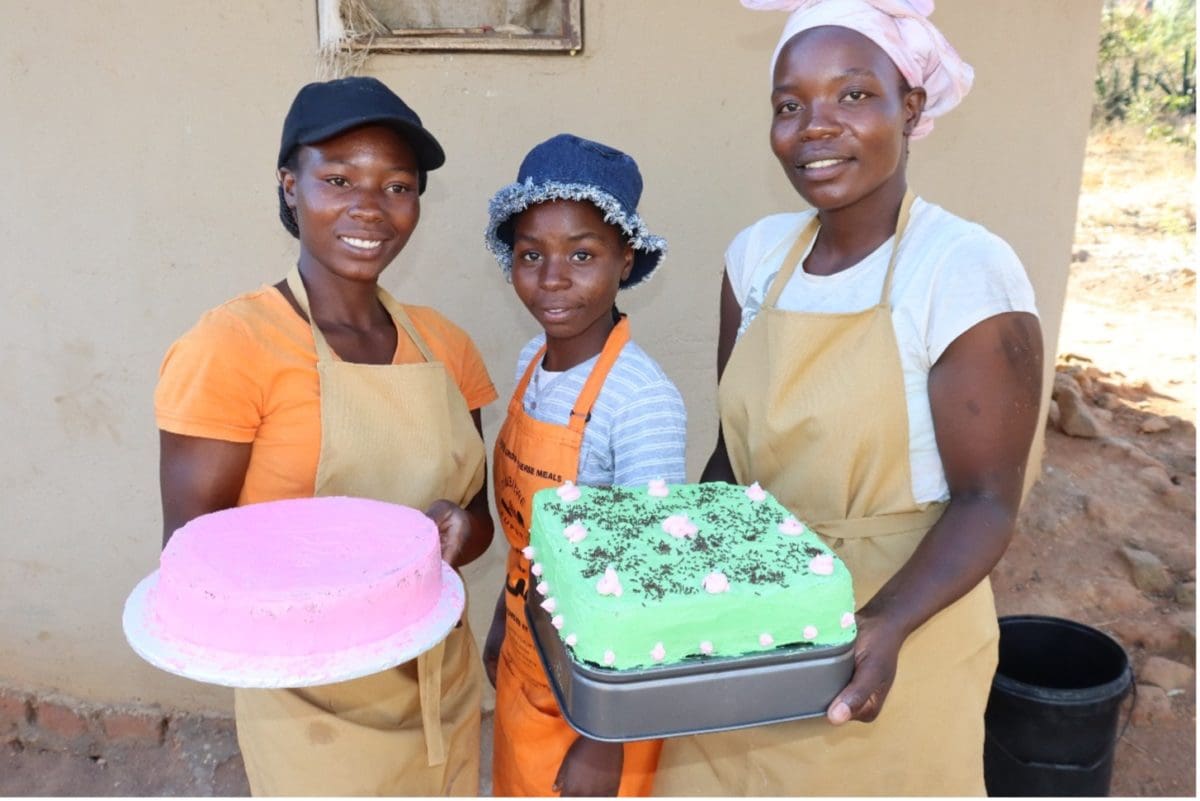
(495, 637)
(984, 392)
(197, 476)
(466, 531)
(718, 467)
(590, 768)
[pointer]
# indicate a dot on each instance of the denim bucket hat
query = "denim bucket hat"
(567, 167)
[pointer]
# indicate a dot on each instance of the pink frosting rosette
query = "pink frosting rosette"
(609, 584)
(679, 526)
(575, 533)
(791, 526)
(716, 582)
(821, 565)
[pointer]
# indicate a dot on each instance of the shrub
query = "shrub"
(1146, 74)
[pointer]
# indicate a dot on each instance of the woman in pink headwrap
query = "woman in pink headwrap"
(880, 366)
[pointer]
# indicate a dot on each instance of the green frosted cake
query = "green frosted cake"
(640, 576)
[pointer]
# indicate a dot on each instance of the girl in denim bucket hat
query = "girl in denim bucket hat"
(590, 407)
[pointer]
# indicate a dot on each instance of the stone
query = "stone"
(1053, 415)
(1130, 450)
(1178, 498)
(1178, 461)
(1064, 382)
(1086, 385)
(1074, 417)
(1148, 572)
(1153, 424)
(1185, 593)
(1149, 632)
(1102, 414)
(1101, 510)
(1108, 400)
(1156, 478)
(1168, 675)
(1152, 706)
(1184, 632)
(1045, 518)
(1115, 597)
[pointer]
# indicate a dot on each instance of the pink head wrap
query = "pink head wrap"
(901, 29)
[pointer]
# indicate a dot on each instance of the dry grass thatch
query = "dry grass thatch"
(344, 22)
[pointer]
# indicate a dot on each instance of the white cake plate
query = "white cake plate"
(231, 669)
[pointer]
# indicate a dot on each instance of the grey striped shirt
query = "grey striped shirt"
(638, 429)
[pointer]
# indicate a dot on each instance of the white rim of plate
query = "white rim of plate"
(231, 669)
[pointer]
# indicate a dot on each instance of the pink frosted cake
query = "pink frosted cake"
(297, 577)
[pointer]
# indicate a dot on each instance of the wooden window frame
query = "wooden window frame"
(456, 39)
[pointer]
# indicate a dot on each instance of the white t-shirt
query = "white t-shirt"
(950, 275)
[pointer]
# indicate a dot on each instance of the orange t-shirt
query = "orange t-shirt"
(247, 372)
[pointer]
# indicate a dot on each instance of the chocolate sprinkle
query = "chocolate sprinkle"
(677, 566)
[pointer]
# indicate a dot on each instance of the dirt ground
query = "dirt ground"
(1128, 347)
(1126, 379)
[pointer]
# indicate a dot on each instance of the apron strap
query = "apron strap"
(402, 320)
(595, 381)
(582, 410)
(901, 227)
(523, 384)
(429, 680)
(296, 284)
(790, 262)
(795, 255)
(399, 317)
(880, 525)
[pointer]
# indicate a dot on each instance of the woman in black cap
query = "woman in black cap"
(323, 384)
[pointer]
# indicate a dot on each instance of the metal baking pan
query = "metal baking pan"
(693, 697)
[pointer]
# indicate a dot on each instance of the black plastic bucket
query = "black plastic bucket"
(1054, 708)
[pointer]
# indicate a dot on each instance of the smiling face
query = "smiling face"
(568, 264)
(842, 115)
(355, 200)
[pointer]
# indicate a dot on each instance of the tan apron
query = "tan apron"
(813, 408)
(402, 434)
(531, 737)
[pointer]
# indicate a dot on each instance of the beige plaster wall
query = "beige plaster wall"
(138, 140)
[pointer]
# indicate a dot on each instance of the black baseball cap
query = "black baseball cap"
(325, 109)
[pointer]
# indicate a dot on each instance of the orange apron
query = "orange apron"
(531, 737)
(813, 408)
(402, 434)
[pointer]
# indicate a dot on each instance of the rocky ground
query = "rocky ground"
(1106, 537)
(1107, 534)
